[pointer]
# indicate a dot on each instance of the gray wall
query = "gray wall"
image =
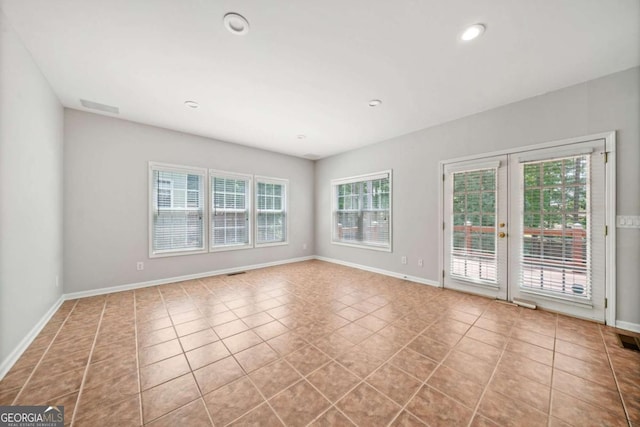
(105, 200)
(608, 103)
(31, 120)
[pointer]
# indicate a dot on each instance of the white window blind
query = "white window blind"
(362, 210)
(473, 240)
(230, 210)
(556, 223)
(271, 211)
(176, 209)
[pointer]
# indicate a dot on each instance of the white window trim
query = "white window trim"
(271, 180)
(359, 178)
(216, 173)
(181, 169)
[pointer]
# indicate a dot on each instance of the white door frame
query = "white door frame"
(501, 166)
(610, 208)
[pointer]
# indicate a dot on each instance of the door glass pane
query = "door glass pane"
(473, 241)
(556, 241)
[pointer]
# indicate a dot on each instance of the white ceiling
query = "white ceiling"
(311, 66)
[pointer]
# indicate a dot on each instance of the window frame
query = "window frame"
(258, 179)
(167, 167)
(591, 239)
(216, 173)
(334, 200)
(170, 189)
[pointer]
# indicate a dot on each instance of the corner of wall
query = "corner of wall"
(31, 151)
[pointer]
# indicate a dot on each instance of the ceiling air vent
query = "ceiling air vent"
(98, 106)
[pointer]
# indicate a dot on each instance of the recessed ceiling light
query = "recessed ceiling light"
(472, 32)
(192, 104)
(301, 136)
(236, 23)
(374, 103)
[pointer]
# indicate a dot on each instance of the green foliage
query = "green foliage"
(555, 193)
(474, 204)
(555, 197)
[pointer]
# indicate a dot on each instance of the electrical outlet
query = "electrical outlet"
(140, 266)
(628, 221)
(304, 246)
(57, 281)
(420, 262)
(404, 260)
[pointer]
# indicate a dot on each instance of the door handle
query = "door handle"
(502, 234)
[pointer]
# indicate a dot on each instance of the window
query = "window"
(473, 241)
(164, 193)
(556, 224)
(230, 211)
(271, 211)
(176, 210)
(362, 211)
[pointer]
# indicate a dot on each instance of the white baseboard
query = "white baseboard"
(10, 360)
(629, 326)
(380, 271)
(13, 357)
(138, 285)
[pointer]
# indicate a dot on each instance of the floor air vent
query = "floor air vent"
(629, 342)
(236, 273)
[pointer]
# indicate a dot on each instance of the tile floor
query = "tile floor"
(319, 344)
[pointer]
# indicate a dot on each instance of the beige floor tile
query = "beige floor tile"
(169, 396)
(333, 381)
(217, 374)
(274, 378)
(232, 401)
(309, 335)
(262, 415)
(436, 409)
(192, 414)
(299, 404)
(367, 407)
(394, 383)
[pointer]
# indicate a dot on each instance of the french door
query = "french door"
(529, 225)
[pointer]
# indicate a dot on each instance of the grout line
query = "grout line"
(387, 360)
(438, 364)
(173, 326)
(615, 378)
(86, 369)
(206, 409)
(263, 397)
(46, 350)
(493, 373)
(135, 325)
(610, 365)
(231, 354)
(294, 298)
(303, 378)
(553, 364)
